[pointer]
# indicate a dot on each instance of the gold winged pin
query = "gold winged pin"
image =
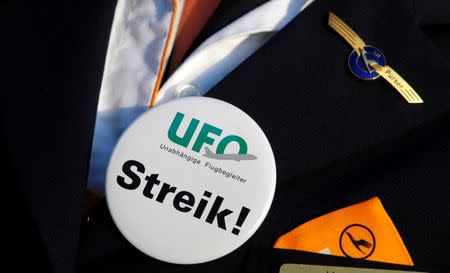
(372, 63)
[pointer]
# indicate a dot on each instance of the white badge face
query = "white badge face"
(191, 180)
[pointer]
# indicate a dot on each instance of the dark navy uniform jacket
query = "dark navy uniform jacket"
(337, 140)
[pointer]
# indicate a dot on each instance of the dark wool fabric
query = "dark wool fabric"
(337, 140)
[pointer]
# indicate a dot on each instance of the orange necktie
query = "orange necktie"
(196, 14)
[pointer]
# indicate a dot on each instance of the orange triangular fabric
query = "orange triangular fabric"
(361, 231)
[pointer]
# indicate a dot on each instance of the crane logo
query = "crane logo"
(357, 241)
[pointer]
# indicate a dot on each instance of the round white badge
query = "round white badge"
(191, 180)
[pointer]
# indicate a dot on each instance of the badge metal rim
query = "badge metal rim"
(356, 75)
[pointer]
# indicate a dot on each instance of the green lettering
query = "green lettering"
(204, 138)
(172, 133)
(226, 140)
